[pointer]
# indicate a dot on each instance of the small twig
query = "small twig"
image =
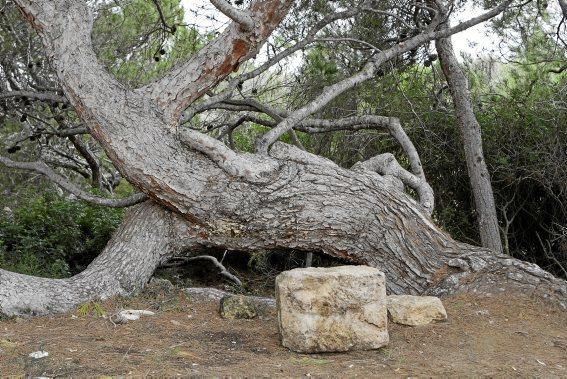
(223, 271)
(126, 354)
(549, 254)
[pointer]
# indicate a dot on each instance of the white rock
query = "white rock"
(39, 354)
(415, 310)
(134, 314)
(332, 309)
(130, 315)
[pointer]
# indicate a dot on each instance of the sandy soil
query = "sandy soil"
(484, 337)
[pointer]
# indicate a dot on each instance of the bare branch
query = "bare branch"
(43, 96)
(243, 18)
(68, 132)
(42, 168)
(223, 271)
(367, 72)
(90, 158)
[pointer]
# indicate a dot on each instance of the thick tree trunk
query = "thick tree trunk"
(327, 209)
(288, 200)
(124, 267)
(472, 143)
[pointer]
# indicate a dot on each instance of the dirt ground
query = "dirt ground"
(484, 337)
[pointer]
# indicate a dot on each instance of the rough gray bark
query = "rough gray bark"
(123, 268)
(472, 143)
(563, 5)
(288, 199)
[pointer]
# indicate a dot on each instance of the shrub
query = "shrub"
(53, 236)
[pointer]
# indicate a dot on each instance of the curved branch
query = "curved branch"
(252, 168)
(386, 164)
(331, 92)
(313, 125)
(42, 168)
(243, 18)
(186, 83)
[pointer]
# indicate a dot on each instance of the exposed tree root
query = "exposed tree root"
(123, 268)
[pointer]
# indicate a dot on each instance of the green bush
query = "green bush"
(54, 237)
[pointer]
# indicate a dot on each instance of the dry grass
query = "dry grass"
(495, 337)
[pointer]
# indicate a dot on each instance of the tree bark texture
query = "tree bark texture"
(205, 195)
(472, 142)
(125, 265)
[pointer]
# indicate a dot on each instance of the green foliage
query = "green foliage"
(319, 67)
(94, 308)
(132, 41)
(521, 109)
(54, 237)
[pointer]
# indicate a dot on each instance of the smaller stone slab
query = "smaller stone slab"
(332, 309)
(246, 307)
(415, 310)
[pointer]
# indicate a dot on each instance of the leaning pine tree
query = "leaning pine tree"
(197, 192)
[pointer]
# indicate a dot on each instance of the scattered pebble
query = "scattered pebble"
(130, 315)
(39, 354)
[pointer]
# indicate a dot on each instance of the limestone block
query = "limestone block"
(332, 309)
(415, 310)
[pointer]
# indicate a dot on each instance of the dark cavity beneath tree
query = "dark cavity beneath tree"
(197, 192)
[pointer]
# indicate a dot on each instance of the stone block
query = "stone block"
(332, 309)
(415, 310)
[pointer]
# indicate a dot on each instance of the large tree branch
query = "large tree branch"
(309, 38)
(314, 125)
(384, 164)
(186, 83)
(244, 19)
(249, 167)
(42, 168)
(331, 92)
